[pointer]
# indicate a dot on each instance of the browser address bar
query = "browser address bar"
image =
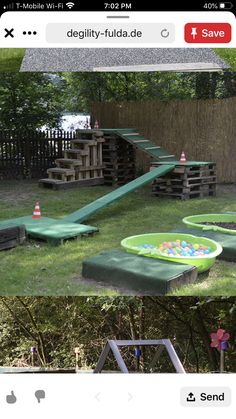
(110, 33)
(120, 29)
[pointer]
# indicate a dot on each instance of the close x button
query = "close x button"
(211, 33)
(9, 32)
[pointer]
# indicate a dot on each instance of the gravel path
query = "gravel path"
(105, 59)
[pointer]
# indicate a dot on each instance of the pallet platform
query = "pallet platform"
(49, 229)
(186, 181)
(118, 159)
(12, 236)
(125, 270)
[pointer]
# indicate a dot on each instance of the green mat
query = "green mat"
(132, 272)
(227, 241)
(49, 229)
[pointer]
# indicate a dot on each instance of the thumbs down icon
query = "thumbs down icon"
(39, 394)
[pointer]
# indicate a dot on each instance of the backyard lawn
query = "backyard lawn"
(36, 268)
(10, 58)
(229, 55)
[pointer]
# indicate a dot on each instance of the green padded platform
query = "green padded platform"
(49, 228)
(133, 272)
(227, 241)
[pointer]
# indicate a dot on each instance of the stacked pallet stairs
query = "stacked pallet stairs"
(82, 164)
(192, 180)
(118, 160)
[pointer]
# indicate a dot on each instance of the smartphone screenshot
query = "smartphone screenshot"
(117, 209)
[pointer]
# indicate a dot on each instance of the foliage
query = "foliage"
(57, 325)
(28, 101)
(85, 88)
(10, 58)
(229, 55)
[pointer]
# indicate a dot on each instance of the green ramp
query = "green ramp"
(85, 212)
(142, 143)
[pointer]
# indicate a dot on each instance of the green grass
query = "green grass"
(37, 268)
(229, 55)
(11, 58)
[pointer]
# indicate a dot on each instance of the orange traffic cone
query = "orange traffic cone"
(37, 212)
(183, 157)
(96, 125)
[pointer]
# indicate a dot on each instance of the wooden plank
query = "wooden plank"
(61, 170)
(12, 236)
(131, 133)
(57, 185)
(140, 141)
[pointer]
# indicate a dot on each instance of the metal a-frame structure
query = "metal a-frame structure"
(161, 344)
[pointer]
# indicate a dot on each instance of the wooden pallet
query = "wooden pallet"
(187, 182)
(57, 185)
(65, 175)
(82, 162)
(12, 236)
(119, 160)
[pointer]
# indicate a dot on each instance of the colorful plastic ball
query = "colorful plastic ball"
(183, 243)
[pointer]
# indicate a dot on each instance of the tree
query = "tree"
(28, 101)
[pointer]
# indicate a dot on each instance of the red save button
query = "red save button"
(211, 33)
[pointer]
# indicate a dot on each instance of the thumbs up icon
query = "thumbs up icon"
(11, 398)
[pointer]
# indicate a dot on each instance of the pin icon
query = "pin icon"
(39, 394)
(11, 398)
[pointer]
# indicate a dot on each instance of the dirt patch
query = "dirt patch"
(101, 285)
(228, 226)
(13, 192)
(226, 188)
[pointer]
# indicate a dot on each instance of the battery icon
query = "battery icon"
(226, 6)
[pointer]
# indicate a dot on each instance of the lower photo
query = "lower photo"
(117, 335)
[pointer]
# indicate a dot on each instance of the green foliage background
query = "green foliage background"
(57, 325)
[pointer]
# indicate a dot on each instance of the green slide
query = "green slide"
(85, 212)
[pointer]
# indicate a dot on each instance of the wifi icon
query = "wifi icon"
(70, 5)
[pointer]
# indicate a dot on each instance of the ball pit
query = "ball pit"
(182, 248)
(196, 221)
(175, 247)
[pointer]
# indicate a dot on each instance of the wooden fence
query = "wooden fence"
(29, 154)
(204, 129)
